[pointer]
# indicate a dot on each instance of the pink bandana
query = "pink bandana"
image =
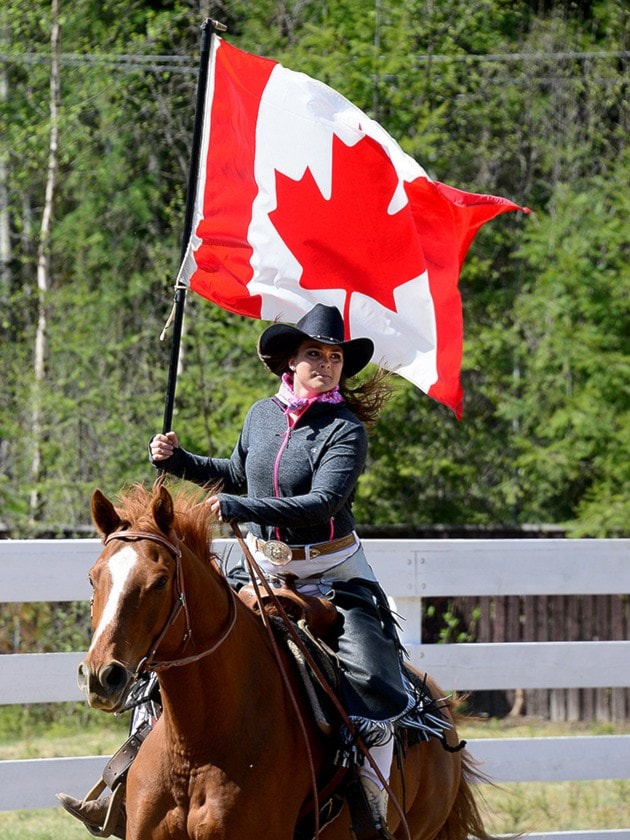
(295, 403)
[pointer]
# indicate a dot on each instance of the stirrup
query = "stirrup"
(113, 809)
(368, 815)
(114, 777)
(110, 809)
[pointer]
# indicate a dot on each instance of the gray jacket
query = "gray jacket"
(316, 466)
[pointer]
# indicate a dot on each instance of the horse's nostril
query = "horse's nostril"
(113, 678)
(83, 675)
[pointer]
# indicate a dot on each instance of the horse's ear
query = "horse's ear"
(104, 514)
(163, 512)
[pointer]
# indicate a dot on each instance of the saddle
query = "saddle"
(314, 621)
(318, 614)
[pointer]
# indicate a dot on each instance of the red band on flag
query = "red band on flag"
(223, 257)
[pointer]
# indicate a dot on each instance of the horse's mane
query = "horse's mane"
(193, 523)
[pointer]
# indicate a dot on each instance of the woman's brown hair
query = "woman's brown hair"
(366, 399)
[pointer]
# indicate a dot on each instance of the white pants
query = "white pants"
(382, 754)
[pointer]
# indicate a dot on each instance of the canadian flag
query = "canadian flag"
(302, 199)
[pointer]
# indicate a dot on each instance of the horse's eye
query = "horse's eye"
(160, 583)
(90, 581)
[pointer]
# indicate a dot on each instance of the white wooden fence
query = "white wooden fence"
(410, 570)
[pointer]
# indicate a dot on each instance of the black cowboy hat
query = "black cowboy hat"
(323, 324)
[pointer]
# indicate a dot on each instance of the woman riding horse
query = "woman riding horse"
(292, 478)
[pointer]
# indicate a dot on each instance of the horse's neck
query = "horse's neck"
(215, 690)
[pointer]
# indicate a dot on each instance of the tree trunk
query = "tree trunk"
(5, 239)
(43, 268)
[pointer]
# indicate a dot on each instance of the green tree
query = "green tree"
(573, 322)
(520, 99)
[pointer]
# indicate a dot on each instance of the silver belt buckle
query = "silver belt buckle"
(277, 552)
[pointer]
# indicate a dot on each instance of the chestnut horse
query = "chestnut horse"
(227, 760)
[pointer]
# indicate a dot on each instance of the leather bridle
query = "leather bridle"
(148, 661)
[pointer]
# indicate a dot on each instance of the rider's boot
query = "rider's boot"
(94, 814)
(367, 798)
(106, 816)
(376, 799)
(368, 809)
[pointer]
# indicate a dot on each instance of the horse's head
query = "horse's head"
(136, 593)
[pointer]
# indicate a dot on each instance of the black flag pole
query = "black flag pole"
(208, 28)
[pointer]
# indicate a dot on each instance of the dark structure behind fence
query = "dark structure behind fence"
(539, 618)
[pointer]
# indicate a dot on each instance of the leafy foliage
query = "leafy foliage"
(527, 100)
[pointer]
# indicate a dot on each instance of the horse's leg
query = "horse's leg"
(431, 783)
(464, 819)
(152, 811)
(167, 800)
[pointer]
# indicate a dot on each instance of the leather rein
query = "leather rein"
(148, 662)
(257, 578)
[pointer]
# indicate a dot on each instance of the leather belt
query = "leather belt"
(280, 553)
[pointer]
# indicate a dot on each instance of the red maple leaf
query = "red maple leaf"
(350, 241)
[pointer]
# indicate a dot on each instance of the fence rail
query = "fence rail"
(412, 572)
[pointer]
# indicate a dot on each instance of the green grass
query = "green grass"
(556, 806)
(550, 806)
(58, 729)
(510, 808)
(49, 731)
(41, 825)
